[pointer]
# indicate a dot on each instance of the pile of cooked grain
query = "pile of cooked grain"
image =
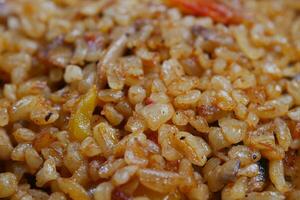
(139, 99)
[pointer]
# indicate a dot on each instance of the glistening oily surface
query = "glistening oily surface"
(149, 99)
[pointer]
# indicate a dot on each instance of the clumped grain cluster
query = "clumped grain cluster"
(135, 99)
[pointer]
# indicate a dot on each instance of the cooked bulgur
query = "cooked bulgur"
(149, 99)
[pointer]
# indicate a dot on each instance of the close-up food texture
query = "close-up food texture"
(150, 99)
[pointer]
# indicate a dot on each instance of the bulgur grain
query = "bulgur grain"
(8, 184)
